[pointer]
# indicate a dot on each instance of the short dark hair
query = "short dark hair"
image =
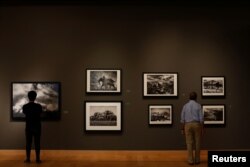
(32, 95)
(193, 96)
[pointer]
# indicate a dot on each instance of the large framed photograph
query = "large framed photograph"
(160, 114)
(160, 84)
(214, 114)
(48, 95)
(213, 86)
(103, 81)
(103, 116)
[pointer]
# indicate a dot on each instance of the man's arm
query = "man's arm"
(24, 110)
(201, 120)
(183, 121)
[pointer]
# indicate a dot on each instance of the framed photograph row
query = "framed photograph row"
(162, 114)
(107, 115)
(155, 84)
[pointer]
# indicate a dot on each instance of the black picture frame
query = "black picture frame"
(160, 114)
(103, 116)
(103, 81)
(213, 86)
(48, 95)
(214, 114)
(160, 84)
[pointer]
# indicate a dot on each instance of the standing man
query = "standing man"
(192, 127)
(32, 113)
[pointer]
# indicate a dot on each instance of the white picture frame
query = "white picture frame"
(213, 86)
(103, 81)
(214, 114)
(103, 116)
(160, 84)
(160, 114)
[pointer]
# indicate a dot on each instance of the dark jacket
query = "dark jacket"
(32, 113)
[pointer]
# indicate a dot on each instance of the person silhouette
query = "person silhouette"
(32, 113)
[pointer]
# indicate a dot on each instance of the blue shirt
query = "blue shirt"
(191, 111)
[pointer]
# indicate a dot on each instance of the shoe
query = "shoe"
(27, 161)
(190, 163)
(197, 163)
(38, 161)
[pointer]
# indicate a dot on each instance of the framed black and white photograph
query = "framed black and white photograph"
(103, 81)
(160, 114)
(214, 114)
(160, 84)
(48, 95)
(213, 86)
(103, 116)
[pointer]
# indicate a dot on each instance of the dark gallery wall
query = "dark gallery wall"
(59, 42)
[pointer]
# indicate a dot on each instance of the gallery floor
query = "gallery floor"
(83, 158)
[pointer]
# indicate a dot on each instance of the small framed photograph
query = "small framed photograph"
(48, 95)
(214, 114)
(213, 86)
(160, 114)
(160, 84)
(103, 81)
(103, 116)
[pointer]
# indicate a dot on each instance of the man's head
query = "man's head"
(193, 96)
(32, 95)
